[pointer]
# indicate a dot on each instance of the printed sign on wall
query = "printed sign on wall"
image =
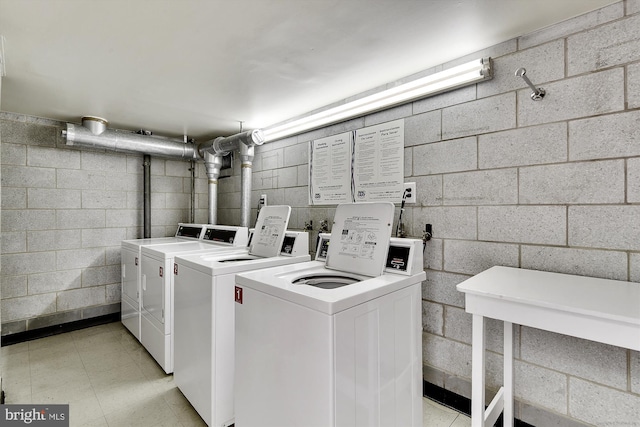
(360, 166)
(330, 170)
(378, 164)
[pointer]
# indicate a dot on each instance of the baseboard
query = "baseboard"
(459, 403)
(34, 334)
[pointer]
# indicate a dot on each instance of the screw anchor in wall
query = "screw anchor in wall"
(538, 92)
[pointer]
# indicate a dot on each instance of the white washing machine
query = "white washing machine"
(204, 318)
(156, 282)
(336, 344)
(130, 271)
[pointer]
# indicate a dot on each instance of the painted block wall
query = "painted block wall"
(65, 212)
(551, 185)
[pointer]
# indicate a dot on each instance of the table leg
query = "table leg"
(477, 371)
(508, 375)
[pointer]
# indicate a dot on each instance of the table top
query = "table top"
(603, 298)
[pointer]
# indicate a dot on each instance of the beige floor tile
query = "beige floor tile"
(105, 358)
(150, 412)
(462, 421)
(122, 376)
(15, 394)
(52, 343)
(85, 410)
(16, 366)
(435, 415)
(16, 380)
(98, 422)
(182, 408)
(103, 340)
(40, 361)
(83, 334)
(118, 398)
(14, 348)
(55, 378)
(190, 418)
(64, 393)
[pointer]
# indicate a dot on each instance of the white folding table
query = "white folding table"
(602, 310)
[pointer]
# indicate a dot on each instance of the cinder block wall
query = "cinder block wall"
(551, 185)
(65, 212)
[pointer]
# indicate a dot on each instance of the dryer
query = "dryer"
(337, 344)
(156, 282)
(130, 271)
(204, 319)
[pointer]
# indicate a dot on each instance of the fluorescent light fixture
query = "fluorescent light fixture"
(452, 78)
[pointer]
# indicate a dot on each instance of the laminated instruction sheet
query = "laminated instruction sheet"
(359, 166)
(360, 238)
(269, 231)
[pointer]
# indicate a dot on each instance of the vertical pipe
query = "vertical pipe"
(213, 164)
(246, 159)
(147, 195)
(245, 201)
(213, 201)
(192, 213)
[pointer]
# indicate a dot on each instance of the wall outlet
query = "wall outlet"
(410, 189)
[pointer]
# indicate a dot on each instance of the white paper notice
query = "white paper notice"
(361, 236)
(269, 230)
(330, 170)
(378, 162)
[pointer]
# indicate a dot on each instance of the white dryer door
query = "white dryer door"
(154, 287)
(130, 274)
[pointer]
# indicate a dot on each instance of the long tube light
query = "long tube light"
(452, 78)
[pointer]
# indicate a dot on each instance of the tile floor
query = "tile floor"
(109, 379)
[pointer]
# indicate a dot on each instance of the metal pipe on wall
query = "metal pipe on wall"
(213, 164)
(244, 142)
(246, 159)
(94, 134)
(146, 163)
(192, 211)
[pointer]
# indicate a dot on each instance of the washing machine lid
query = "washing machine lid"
(270, 230)
(170, 250)
(360, 238)
(136, 244)
(184, 233)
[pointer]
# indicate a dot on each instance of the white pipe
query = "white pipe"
(213, 163)
(246, 159)
(94, 134)
(126, 142)
(244, 142)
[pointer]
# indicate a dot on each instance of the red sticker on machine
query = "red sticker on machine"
(238, 295)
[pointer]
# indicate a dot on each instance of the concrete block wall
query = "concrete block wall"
(551, 185)
(65, 212)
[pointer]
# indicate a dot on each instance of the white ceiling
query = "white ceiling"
(199, 67)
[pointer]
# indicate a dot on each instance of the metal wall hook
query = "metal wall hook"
(538, 93)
